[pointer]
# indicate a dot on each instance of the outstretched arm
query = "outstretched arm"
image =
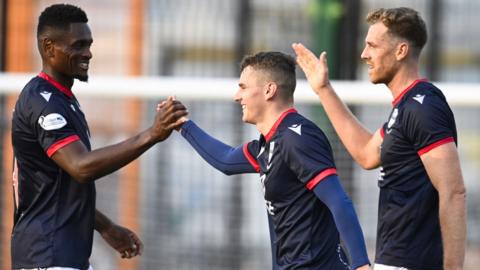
(443, 168)
(330, 192)
(121, 239)
(86, 166)
(361, 143)
(222, 157)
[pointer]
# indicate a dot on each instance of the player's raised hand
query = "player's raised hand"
(182, 120)
(315, 69)
(170, 115)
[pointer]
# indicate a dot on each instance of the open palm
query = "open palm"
(315, 69)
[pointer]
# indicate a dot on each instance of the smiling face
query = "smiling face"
(379, 54)
(250, 95)
(70, 53)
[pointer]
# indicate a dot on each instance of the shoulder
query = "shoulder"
(427, 109)
(37, 92)
(425, 99)
(298, 131)
(302, 141)
(38, 97)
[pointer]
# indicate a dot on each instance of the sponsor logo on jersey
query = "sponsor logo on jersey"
(52, 121)
(297, 128)
(46, 95)
(419, 98)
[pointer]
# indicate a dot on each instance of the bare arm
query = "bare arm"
(121, 239)
(360, 143)
(443, 167)
(86, 166)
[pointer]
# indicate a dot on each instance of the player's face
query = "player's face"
(379, 54)
(250, 95)
(72, 52)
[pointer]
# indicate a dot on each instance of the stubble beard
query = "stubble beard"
(82, 78)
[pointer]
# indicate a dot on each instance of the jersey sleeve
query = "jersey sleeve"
(331, 193)
(221, 156)
(382, 130)
(308, 154)
(52, 126)
(429, 124)
(250, 150)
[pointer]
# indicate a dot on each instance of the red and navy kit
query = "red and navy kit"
(305, 202)
(292, 158)
(54, 214)
(408, 232)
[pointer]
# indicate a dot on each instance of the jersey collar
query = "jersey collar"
(57, 85)
(399, 97)
(277, 123)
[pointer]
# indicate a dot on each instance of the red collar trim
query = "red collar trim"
(277, 123)
(399, 97)
(60, 87)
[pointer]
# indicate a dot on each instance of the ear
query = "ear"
(48, 47)
(403, 49)
(270, 90)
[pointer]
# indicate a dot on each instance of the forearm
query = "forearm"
(351, 233)
(221, 156)
(443, 167)
(331, 193)
(362, 145)
(102, 223)
(351, 132)
(86, 166)
(453, 226)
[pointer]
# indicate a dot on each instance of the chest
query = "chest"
(396, 144)
(276, 177)
(76, 119)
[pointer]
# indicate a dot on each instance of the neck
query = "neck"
(62, 79)
(271, 115)
(404, 77)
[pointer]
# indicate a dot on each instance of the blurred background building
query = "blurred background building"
(189, 215)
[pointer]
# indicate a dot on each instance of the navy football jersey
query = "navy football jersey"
(291, 159)
(54, 214)
(408, 232)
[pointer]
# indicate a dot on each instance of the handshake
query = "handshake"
(170, 114)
